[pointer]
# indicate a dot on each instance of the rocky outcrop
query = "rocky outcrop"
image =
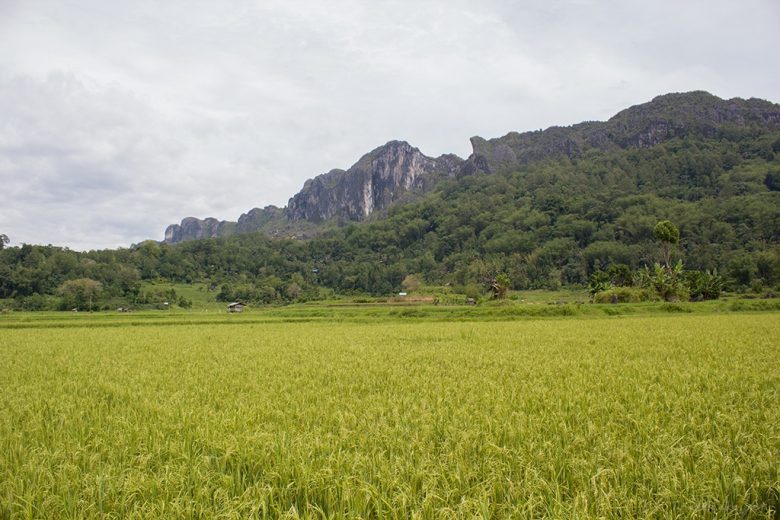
(192, 228)
(256, 219)
(678, 115)
(665, 117)
(377, 180)
(259, 218)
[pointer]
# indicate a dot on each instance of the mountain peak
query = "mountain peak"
(665, 117)
(375, 181)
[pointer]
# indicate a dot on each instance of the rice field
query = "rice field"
(631, 417)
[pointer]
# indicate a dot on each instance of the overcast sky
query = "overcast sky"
(118, 118)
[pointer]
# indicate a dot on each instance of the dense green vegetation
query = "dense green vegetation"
(549, 224)
(635, 417)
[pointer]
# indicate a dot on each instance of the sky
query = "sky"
(118, 118)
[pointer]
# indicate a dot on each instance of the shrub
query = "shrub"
(704, 285)
(471, 290)
(626, 295)
(599, 282)
(667, 281)
(675, 307)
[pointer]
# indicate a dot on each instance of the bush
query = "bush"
(410, 313)
(625, 295)
(37, 302)
(599, 282)
(704, 285)
(667, 281)
(471, 290)
(675, 307)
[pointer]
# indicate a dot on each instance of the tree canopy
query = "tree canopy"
(549, 224)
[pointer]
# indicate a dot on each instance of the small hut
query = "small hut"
(236, 307)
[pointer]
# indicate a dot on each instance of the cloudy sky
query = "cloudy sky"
(118, 118)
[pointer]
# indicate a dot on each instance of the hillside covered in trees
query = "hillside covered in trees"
(546, 209)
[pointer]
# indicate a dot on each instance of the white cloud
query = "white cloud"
(122, 117)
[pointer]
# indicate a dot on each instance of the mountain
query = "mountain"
(382, 177)
(547, 209)
(192, 228)
(642, 126)
(376, 181)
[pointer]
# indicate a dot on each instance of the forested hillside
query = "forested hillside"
(391, 173)
(544, 223)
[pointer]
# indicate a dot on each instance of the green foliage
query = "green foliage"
(546, 224)
(79, 293)
(620, 275)
(471, 290)
(667, 232)
(155, 296)
(704, 285)
(502, 285)
(625, 295)
(772, 181)
(411, 283)
(599, 282)
(498, 285)
(667, 281)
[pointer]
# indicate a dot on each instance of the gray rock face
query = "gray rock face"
(192, 228)
(641, 126)
(377, 180)
(677, 115)
(257, 218)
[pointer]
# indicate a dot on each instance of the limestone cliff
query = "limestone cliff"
(642, 126)
(377, 180)
(192, 228)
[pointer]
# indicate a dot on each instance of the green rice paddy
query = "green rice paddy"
(653, 416)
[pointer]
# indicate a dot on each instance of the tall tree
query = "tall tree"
(80, 293)
(668, 234)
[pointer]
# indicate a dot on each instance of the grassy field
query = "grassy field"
(373, 413)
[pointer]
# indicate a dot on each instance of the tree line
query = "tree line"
(556, 223)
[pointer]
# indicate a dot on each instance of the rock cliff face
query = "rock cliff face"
(377, 180)
(641, 126)
(192, 228)
(381, 177)
(256, 219)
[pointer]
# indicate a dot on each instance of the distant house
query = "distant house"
(236, 307)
